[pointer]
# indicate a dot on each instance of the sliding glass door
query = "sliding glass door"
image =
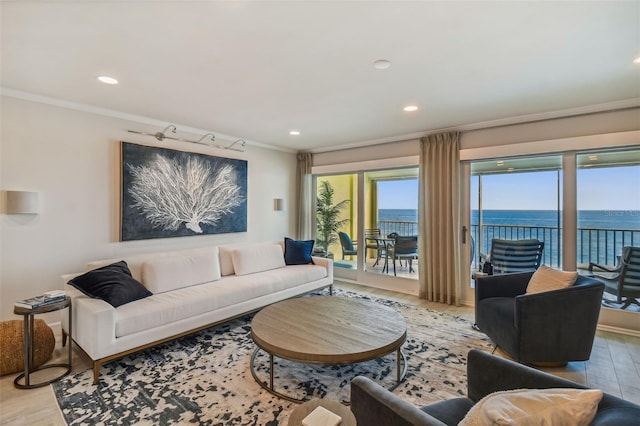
(362, 240)
(521, 198)
(515, 199)
(391, 209)
(608, 204)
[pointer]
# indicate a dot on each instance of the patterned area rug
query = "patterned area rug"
(205, 378)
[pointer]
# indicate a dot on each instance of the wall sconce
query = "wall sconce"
(279, 204)
(22, 202)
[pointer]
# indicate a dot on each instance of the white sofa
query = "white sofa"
(192, 290)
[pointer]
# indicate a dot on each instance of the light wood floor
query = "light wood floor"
(614, 367)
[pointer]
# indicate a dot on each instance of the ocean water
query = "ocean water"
(589, 219)
(601, 233)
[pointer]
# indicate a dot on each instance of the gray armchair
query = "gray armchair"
(551, 327)
(373, 405)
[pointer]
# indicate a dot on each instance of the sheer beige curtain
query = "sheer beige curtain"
(439, 218)
(305, 199)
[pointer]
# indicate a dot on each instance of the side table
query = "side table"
(303, 410)
(28, 336)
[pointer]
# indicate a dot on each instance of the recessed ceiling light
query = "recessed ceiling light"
(382, 64)
(637, 60)
(107, 80)
(500, 163)
(410, 108)
(294, 132)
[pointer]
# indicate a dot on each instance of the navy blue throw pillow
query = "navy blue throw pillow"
(112, 283)
(297, 252)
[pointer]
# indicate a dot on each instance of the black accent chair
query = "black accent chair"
(404, 247)
(626, 281)
(555, 326)
(508, 256)
(348, 245)
(373, 405)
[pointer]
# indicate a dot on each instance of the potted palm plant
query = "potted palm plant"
(328, 217)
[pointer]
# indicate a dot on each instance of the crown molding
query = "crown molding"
(91, 109)
(508, 121)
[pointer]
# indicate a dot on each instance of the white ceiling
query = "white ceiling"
(258, 69)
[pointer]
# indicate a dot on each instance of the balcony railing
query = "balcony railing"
(400, 227)
(548, 234)
(599, 245)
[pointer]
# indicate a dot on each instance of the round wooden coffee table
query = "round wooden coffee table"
(327, 330)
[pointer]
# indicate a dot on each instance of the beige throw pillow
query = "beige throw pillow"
(534, 407)
(257, 258)
(547, 279)
(166, 273)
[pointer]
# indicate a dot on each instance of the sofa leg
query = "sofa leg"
(96, 372)
(331, 290)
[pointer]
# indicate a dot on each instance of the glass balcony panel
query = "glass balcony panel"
(608, 201)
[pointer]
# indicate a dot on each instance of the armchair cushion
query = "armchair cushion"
(535, 407)
(547, 279)
(449, 411)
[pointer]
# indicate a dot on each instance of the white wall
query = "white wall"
(71, 159)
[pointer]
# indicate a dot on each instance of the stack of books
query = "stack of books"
(47, 298)
(322, 417)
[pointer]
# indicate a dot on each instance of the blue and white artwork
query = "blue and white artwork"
(168, 193)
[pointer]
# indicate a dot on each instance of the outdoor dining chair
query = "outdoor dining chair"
(508, 256)
(404, 247)
(372, 238)
(348, 245)
(626, 281)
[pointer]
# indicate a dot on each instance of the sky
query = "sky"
(398, 194)
(613, 188)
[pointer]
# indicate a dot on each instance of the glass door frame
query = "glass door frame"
(360, 275)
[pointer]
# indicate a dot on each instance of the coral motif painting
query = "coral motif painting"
(169, 193)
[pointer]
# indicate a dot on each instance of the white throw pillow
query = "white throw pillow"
(546, 279)
(167, 273)
(524, 407)
(248, 260)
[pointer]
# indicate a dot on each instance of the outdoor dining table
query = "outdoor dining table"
(386, 242)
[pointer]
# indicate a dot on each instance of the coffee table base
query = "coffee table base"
(401, 372)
